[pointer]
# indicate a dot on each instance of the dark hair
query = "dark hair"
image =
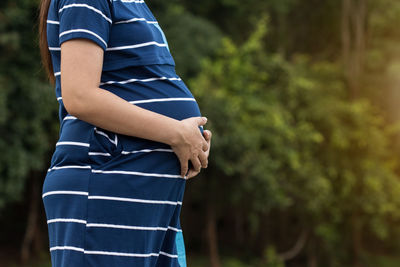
(44, 50)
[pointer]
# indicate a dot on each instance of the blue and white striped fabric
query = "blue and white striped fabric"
(113, 199)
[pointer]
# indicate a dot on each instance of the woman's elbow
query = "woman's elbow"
(75, 102)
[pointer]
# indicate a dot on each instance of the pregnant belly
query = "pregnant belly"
(169, 98)
(154, 87)
(175, 108)
(178, 109)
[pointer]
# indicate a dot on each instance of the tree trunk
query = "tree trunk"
(238, 222)
(212, 236)
(312, 260)
(356, 226)
(346, 33)
(31, 226)
(354, 20)
(312, 251)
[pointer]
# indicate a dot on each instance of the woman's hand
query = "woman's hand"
(207, 136)
(191, 145)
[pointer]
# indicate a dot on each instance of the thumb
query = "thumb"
(201, 121)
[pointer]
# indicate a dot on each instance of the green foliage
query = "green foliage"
(383, 57)
(180, 26)
(287, 137)
(272, 259)
(27, 107)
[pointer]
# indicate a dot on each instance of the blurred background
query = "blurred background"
(303, 99)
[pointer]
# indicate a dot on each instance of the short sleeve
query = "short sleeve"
(89, 19)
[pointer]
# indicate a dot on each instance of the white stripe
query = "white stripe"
(136, 46)
(109, 253)
(136, 19)
(59, 98)
(68, 117)
(106, 135)
(147, 151)
(169, 255)
(162, 100)
(70, 143)
(53, 22)
(69, 167)
(86, 31)
(129, 227)
(66, 248)
(142, 80)
(115, 226)
(55, 48)
(175, 229)
(86, 6)
(81, 193)
(66, 220)
(99, 154)
(136, 200)
(57, 74)
(139, 173)
(130, 1)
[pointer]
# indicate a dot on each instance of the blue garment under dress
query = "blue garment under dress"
(112, 199)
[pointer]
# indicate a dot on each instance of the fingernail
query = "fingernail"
(205, 118)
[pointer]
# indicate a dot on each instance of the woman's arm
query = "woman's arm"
(81, 67)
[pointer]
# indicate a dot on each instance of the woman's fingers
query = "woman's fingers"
(184, 166)
(192, 173)
(205, 146)
(196, 163)
(207, 134)
(203, 157)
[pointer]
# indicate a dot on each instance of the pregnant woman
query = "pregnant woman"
(130, 136)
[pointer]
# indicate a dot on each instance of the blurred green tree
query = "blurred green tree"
(28, 113)
(191, 38)
(289, 142)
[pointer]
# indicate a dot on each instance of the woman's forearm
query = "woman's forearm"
(108, 111)
(81, 69)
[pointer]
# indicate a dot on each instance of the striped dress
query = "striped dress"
(112, 199)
